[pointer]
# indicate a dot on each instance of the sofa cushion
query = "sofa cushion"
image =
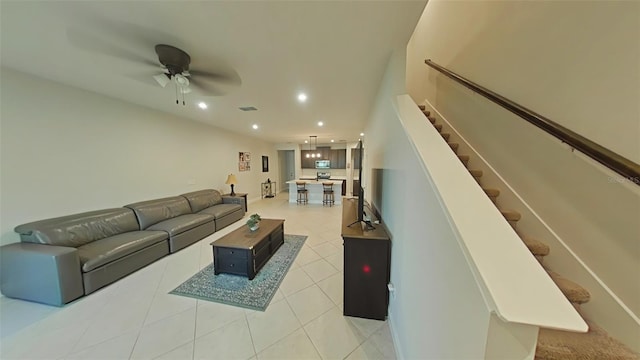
(200, 200)
(221, 210)
(99, 253)
(79, 229)
(154, 211)
(182, 223)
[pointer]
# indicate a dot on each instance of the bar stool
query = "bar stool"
(302, 192)
(327, 194)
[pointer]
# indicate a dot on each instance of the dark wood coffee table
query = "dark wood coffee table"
(244, 252)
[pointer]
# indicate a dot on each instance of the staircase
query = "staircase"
(595, 344)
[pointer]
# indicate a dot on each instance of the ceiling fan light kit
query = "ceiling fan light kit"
(162, 79)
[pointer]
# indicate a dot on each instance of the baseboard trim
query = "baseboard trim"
(394, 336)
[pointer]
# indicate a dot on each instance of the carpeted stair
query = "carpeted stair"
(595, 344)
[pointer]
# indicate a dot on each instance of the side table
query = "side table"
(268, 189)
(242, 195)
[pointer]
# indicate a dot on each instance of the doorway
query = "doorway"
(287, 168)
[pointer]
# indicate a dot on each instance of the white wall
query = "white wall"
(576, 63)
(65, 150)
(439, 311)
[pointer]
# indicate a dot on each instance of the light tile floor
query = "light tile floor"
(136, 318)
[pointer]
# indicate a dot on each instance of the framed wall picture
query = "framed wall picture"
(244, 161)
(265, 164)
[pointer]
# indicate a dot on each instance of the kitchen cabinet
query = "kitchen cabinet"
(307, 162)
(333, 157)
(355, 154)
(325, 153)
(338, 158)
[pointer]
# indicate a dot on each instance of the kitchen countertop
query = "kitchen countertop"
(332, 178)
(311, 182)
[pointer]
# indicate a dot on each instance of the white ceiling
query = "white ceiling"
(335, 51)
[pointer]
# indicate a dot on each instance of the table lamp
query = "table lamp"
(231, 180)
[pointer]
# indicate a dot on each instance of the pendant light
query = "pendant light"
(310, 155)
(317, 154)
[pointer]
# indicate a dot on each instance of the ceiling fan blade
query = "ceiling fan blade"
(93, 43)
(229, 77)
(207, 89)
(131, 35)
(162, 79)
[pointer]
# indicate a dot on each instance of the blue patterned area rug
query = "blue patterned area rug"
(239, 291)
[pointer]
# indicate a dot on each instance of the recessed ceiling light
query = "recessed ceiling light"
(331, 140)
(255, 126)
(320, 123)
(202, 105)
(306, 141)
(302, 97)
(361, 134)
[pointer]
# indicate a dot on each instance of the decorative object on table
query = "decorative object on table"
(265, 164)
(239, 290)
(254, 222)
(244, 161)
(231, 180)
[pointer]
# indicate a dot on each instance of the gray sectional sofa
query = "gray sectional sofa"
(61, 259)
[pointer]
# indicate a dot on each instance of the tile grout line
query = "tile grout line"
(305, 330)
(195, 332)
(253, 344)
(148, 309)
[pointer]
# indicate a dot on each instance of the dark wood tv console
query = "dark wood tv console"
(367, 260)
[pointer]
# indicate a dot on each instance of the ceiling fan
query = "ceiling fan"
(174, 61)
(176, 68)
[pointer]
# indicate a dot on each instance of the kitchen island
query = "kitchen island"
(314, 191)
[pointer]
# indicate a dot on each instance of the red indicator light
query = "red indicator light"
(366, 269)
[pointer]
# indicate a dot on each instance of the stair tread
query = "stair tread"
(595, 344)
(421, 107)
(511, 215)
(438, 127)
(491, 192)
(536, 247)
(431, 119)
(476, 173)
(446, 136)
(573, 291)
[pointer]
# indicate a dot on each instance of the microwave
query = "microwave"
(323, 164)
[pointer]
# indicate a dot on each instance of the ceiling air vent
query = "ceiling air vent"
(248, 108)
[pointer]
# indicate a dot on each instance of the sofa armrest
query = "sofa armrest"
(42, 273)
(226, 199)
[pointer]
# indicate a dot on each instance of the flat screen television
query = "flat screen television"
(362, 216)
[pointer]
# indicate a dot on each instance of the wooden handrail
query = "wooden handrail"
(606, 157)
